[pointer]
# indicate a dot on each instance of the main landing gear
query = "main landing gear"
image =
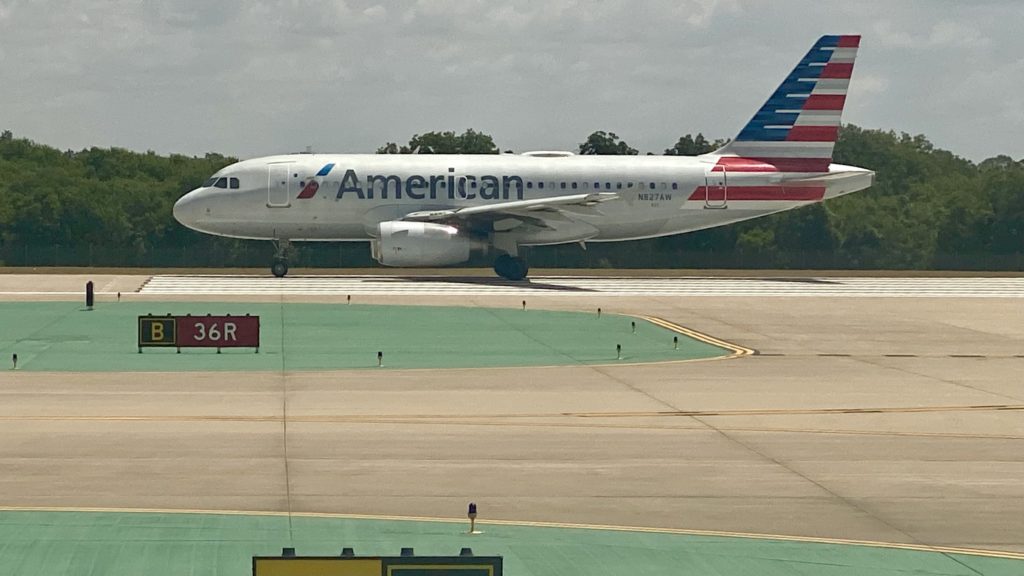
(511, 267)
(279, 267)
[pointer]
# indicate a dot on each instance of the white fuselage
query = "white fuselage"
(656, 195)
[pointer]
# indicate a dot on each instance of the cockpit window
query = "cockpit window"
(234, 183)
(221, 183)
(209, 183)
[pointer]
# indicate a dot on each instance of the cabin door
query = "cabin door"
(279, 193)
(716, 188)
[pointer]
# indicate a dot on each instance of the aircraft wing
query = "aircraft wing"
(530, 211)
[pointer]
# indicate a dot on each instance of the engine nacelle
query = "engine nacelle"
(401, 243)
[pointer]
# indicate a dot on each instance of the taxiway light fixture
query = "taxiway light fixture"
(524, 304)
(14, 360)
(380, 359)
(675, 342)
(598, 312)
(90, 296)
(618, 351)
(633, 325)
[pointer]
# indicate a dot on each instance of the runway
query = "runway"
(883, 417)
(831, 287)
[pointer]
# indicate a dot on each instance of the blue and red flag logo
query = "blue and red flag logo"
(309, 188)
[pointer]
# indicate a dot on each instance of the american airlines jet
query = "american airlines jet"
(435, 210)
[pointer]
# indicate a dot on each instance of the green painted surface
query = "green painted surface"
(114, 544)
(62, 336)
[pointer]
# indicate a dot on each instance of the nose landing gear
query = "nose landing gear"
(511, 267)
(279, 267)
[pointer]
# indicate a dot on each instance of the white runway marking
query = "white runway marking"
(595, 286)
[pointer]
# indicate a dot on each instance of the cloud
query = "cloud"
(261, 76)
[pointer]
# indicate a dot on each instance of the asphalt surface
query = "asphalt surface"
(883, 419)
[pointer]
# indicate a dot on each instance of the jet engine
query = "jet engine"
(401, 243)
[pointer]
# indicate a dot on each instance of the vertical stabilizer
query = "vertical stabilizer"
(796, 129)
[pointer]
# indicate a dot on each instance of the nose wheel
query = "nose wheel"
(511, 267)
(279, 268)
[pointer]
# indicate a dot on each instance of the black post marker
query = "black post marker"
(14, 359)
(633, 324)
(90, 296)
(350, 299)
(118, 296)
(675, 342)
(380, 359)
(618, 351)
(524, 304)
(471, 514)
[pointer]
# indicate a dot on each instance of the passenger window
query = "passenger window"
(234, 183)
(618, 185)
(662, 185)
(221, 183)
(675, 186)
(629, 184)
(607, 185)
(652, 186)
(597, 185)
(529, 184)
(563, 185)
(540, 185)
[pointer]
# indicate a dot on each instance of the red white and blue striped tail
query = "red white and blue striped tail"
(796, 129)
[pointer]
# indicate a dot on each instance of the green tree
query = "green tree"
(469, 142)
(694, 146)
(606, 144)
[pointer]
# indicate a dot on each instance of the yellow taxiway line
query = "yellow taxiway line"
(564, 525)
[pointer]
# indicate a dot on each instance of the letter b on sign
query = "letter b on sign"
(157, 331)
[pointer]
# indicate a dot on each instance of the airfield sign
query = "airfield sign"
(199, 332)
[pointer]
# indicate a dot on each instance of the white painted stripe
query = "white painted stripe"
(760, 149)
(844, 54)
(818, 120)
(834, 83)
(589, 286)
(829, 91)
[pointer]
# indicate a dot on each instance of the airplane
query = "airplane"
(436, 210)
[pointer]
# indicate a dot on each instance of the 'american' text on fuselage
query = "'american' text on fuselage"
(419, 187)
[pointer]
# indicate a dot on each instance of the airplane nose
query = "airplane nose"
(185, 210)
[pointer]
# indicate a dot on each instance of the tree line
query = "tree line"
(928, 209)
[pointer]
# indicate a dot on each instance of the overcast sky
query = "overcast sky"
(255, 77)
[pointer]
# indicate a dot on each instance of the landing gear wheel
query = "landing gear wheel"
(279, 268)
(511, 267)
